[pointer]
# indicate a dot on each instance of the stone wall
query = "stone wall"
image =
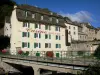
(84, 46)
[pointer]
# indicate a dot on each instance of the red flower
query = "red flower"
(20, 52)
(4, 51)
(50, 54)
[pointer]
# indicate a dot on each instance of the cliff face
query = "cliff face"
(2, 31)
(2, 71)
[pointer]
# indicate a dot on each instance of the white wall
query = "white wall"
(72, 30)
(7, 30)
(98, 35)
(17, 39)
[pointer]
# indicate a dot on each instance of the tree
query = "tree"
(97, 52)
(6, 7)
(4, 42)
(92, 70)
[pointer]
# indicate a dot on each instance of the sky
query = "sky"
(76, 10)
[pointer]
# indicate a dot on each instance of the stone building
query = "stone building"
(98, 33)
(89, 30)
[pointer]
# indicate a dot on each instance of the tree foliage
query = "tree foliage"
(97, 52)
(92, 70)
(4, 42)
(6, 7)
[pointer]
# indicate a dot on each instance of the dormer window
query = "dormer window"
(26, 24)
(33, 15)
(41, 17)
(57, 20)
(51, 13)
(50, 18)
(25, 13)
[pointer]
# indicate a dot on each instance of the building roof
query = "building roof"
(81, 33)
(69, 21)
(39, 11)
(88, 25)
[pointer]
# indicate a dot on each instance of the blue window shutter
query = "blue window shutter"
(22, 34)
(46, 36)
(28, 34)
(56, 37)
(56, 45)
(34, 45)
(59, 38)
(49, 36)
(34, 35)
(22, 44)
(28, 45)
(59, 28)
(39, 45)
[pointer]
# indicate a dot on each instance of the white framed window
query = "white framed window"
(26, 24)
(74, 28)
(58, 37)
(57, 20)
(33, 15)
(25, 34)
(47, 36)
(74, 33)
(25, 45)
(37, 45)
(47, 27)
(25, 13)
(47, 45)
(37, 35)
(37, 26)
(50, 18)
(57, 28)
(58, 45)
(41, 17)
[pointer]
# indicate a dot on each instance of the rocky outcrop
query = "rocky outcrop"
(2, 71)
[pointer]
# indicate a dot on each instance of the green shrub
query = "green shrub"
(80, 53)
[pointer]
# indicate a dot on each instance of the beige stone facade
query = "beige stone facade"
(89, 30)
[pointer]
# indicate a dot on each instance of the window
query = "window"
(57, 28)
(80, 36)
(69, 32)
(57, 37)
(25, 34)
(47, 36)
(74, 33)
(47, 27)
(41, 17)
(74, 28)
(37, 26)
(25, 44)
(69, 27)
(58, 45)
(57, 20)
(50, 18)
(26, 24)
(37, 45)
(47, 45)
(25, 13)
(33, 15)
(37, 35)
